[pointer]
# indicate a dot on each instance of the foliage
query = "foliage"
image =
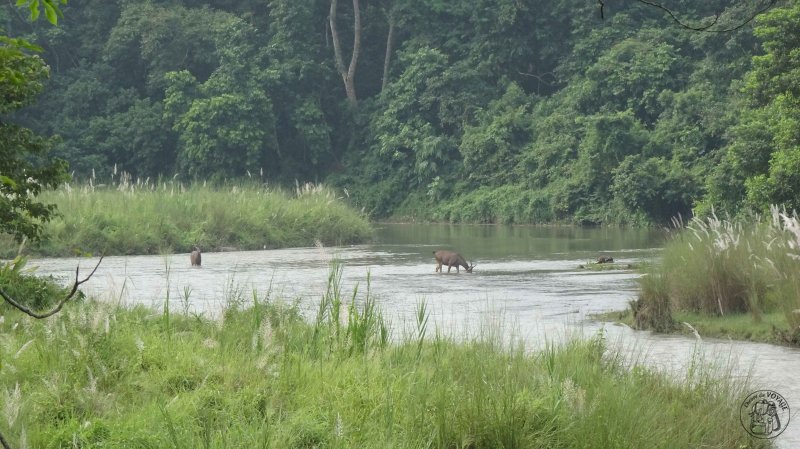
(36, 292)
(26, 167)
(763, 158)
(490, 148)
(507, 204)
(409, 130)
(653, 187)
(626, 119)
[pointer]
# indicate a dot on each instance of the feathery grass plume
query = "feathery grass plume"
(724, 266)
(12, 401)
(129, 218)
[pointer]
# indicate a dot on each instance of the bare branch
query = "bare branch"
(4, 442)
(539, 78)
(708, 28)
(57, 308)
(678, 21)
(41, 315)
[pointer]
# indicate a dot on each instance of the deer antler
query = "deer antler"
(57, 308)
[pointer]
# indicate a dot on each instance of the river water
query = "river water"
(526, 282)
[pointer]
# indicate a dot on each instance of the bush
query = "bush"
(34, 292)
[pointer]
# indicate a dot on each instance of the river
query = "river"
(526, 282)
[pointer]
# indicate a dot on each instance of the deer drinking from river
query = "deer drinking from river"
(451, 259)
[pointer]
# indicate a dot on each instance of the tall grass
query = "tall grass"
(721, 267)
(99, 375)
(148, 218)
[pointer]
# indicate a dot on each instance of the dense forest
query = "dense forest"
(509, 111)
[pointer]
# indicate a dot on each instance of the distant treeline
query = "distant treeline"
(462, 110)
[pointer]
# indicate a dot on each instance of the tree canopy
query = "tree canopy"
(488, 111)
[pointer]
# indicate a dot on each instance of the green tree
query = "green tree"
(607, 139)
(491, 147)
(653, 188)
(226, 124)
(761, 163)
(134, 135)
(409, 131)
(303, 89)
(25, 165)
(632, 75)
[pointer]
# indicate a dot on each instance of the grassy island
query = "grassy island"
(151, 218)
(726, 278)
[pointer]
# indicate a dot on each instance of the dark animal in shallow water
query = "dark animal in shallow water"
(451, 259)
(605, 259)
(195, 257)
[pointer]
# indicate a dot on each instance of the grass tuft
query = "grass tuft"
(726, 268)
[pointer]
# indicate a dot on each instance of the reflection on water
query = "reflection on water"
(526, 277)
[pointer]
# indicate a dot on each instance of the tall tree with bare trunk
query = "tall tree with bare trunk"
(349, 73)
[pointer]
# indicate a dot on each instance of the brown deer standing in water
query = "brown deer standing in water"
(451, 259)
(195, 256)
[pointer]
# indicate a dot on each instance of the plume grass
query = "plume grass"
(724, 267)
(153, 218)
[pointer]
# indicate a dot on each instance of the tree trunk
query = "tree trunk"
(388, 58)
(349, 74)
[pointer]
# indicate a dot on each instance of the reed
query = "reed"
(726, 267)
(152, 218)
(101, 375)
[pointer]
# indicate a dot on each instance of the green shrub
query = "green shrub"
(35, 292)
(509, 204)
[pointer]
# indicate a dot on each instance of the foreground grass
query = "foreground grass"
(151, 219)
(99, 375)
(729, 276)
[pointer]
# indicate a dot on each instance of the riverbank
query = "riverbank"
(261, 376)
(726, 278)
(138, 218)
(772, 327)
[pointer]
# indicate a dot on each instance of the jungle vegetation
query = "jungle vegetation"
(496, 111)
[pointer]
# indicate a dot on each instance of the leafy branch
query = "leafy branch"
(51, 9)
